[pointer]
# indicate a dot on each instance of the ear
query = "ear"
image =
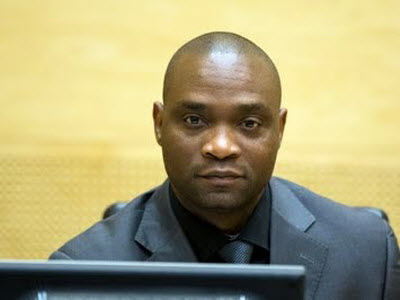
(158, 110)
(282, 123)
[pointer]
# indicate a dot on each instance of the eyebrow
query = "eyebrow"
(252, 107)
(191, 105)
(242, 107)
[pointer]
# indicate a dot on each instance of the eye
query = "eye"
(250, 124)
(193, 120)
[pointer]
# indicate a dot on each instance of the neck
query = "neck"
(226, 220)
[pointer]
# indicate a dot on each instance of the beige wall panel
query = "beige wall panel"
(78, 79)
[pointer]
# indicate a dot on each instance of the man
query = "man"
(220, 127)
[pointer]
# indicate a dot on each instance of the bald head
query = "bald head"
(220, 48)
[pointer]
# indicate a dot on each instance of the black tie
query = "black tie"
(236, 252)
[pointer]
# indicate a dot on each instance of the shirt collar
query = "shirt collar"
(256, 231)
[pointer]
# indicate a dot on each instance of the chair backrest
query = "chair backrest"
(377, 211)
(113, 209)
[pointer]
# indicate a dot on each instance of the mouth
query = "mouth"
(221, 177)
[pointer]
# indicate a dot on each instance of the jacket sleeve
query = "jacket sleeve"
(392, 282)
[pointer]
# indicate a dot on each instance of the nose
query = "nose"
(221, 145)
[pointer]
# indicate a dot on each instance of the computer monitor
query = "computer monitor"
(56, 280)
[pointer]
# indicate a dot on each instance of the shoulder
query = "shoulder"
(336, 220)
(321, 205)
(111, 238)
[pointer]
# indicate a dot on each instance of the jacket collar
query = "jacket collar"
(159, 230)
(291, 244)
(288, 206)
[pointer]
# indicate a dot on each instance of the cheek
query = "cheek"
(262, 157)
(262, 154)
(178, 149)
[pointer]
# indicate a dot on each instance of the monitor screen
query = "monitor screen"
(56, 280)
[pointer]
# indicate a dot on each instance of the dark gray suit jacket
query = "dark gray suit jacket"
(348, 253)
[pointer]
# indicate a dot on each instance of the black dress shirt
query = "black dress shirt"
(206, 240)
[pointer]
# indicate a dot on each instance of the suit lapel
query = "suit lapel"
(159, 231)
(290, 242)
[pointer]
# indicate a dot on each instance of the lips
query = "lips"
(221, 178)
(221, 174)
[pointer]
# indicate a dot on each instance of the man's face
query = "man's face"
(220, 129)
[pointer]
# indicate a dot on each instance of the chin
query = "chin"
(223, 202)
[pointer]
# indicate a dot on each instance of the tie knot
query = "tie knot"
(236, 252)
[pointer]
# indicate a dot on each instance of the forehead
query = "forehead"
(230, 78)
